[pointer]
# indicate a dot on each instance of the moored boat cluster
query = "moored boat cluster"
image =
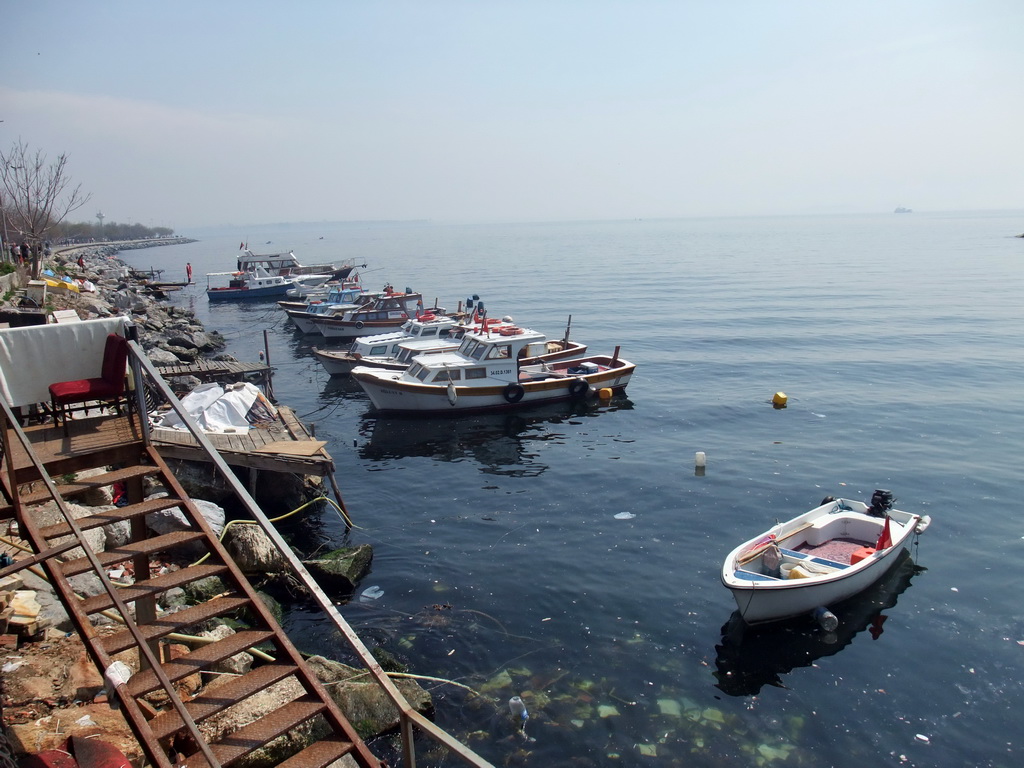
(409, 358)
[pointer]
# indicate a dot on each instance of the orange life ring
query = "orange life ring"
(428, 317)
(510, 331)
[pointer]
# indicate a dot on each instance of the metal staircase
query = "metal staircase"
(172, 729)
(174, 735)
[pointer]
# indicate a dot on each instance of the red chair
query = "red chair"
(110, 386)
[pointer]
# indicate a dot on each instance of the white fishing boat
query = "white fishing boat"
(309, 286)
(428, 327)
(488, 372)
(341, 362)
(343, 297)
(819, 558)
(387, 312)
(427, 334)
(287, 265)
(255, 284)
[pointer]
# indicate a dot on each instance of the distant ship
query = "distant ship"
(903, 210)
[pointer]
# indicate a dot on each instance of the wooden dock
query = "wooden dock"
(222, 372)
(283, 446)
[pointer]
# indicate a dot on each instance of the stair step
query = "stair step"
(199, 659)
(153, 586)
(115, 515)
(253, 736)
(168, 623)
(68, 490)
(128, 551)
(221, 697)
(321, 754)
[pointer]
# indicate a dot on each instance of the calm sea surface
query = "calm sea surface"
(898, 340)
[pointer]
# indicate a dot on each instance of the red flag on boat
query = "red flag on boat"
(885, 540)
(241, 246)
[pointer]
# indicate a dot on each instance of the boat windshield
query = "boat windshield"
(448, 375)
(472, 348)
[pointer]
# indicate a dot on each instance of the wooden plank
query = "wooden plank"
(65, 316)
(293, 447)
(320, 465)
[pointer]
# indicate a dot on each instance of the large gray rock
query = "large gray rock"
(253, 551)
(170, 520)
(238, 664)
(48, 514)
(364, 704)
(341, 569)
(162, 357)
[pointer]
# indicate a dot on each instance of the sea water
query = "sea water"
(502, 553)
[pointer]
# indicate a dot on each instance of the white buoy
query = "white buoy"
(700, 460)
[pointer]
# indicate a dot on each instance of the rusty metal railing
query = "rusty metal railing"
(144, 372)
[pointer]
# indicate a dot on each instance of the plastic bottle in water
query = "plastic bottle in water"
(826, 619)
(518, 709)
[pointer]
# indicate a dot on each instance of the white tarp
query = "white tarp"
(220, 410)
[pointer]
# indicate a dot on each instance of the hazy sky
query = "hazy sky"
(191, 113)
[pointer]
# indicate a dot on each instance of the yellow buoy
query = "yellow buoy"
(605, 393)
(779, 399)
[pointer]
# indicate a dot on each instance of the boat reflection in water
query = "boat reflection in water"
(752, 657)
(502, 443)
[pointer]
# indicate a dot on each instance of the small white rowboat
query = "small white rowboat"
(818, 559)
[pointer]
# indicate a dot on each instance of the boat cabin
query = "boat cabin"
(286, 264)
(275, 263)
(408, 350)
(483, 358)
(256, 280)
(427, 327)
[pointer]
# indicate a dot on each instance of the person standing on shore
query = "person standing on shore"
(81, 261)
(188, 271)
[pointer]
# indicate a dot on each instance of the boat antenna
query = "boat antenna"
(568, 324)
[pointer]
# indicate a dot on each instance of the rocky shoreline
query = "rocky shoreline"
(52, 689)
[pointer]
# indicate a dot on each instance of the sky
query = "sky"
(191, 114)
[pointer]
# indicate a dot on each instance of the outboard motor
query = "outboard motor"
(881, 502)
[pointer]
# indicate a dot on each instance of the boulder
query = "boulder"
(364, 703)
(173, 519)
(238, 664)
(253, 550)
(48, 514)
(341, 569)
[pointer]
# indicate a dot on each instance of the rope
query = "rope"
(328, 499)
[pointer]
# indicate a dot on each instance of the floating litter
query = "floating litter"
(371, 593)
(625, 516)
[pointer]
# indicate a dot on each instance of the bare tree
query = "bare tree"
(36, 194)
